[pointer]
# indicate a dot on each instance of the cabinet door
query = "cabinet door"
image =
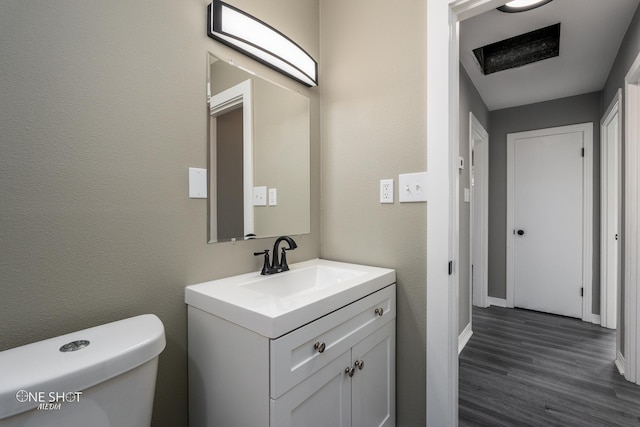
(373, 384)
(322, 400)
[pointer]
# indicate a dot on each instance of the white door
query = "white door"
(547, 235)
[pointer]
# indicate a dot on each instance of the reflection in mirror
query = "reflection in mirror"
(259, 156)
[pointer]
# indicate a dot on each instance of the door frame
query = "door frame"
(441, 120)
(631, 235)
(587, 209)
(238, 96)
(442, 74)
(480, 293)
(609, 286)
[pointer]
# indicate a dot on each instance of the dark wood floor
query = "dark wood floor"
(523, 368)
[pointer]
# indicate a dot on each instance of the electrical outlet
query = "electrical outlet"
(386, 191)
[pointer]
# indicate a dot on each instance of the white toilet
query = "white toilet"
(98, 377)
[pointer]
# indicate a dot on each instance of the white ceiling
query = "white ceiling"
(590, 35)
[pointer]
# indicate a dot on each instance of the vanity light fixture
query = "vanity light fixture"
(260, 41)
(516, 6)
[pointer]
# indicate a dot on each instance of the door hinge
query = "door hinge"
(450, 268)
(583, 152)
(582, 292)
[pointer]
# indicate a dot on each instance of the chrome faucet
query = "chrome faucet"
(277, 265)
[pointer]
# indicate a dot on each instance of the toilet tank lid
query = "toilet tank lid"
(41, 368)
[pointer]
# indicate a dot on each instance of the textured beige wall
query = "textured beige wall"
(102, 111)
(372, 80)
(281, 158)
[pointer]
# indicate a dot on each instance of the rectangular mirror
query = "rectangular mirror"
(259, 156)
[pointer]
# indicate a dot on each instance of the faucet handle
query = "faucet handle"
(265, 266)
(283, 260)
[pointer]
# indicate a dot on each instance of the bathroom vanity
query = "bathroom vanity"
(314, 346)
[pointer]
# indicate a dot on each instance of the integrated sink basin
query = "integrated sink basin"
(297, 282)
(276, 304)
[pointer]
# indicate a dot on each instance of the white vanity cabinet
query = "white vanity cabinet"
(356, 388)
(338, 370)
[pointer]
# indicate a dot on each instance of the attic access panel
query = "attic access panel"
(520, 50)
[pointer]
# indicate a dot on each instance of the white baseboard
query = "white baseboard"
(464, 337)
(499, 302)
(620, 363)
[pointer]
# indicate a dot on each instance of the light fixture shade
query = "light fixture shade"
(260, 41)
(522, 5)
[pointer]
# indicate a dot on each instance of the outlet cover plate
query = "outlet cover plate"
(197, 183)
(386, 191)
(273, 197)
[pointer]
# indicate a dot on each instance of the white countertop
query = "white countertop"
(275, 304)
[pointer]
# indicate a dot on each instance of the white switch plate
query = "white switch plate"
(259, 196)
(273, 197)
(412, 187)
(197, 183)
(467, 195)
(386, 191)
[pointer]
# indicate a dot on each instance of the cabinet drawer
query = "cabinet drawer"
(298, 354)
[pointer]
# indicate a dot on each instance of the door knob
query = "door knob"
(320, 346)
(360, 364)
(349, 371)
(520, 232)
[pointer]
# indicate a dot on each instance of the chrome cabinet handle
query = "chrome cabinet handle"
(320, 346)
(359, 364)
(349, 371)
(379, 311)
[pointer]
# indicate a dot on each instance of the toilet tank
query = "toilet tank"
(99, 377)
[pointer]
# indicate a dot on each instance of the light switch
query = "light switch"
(259, 196)
(467, 195)
(273, 197)
(197, 183)
(412, 187)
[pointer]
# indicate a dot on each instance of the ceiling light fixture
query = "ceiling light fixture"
(522, 5)
(260, 41)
